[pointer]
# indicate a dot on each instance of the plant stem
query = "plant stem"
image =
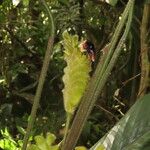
(68, 121)
(41, 79)
(115, 38)
(145, 69)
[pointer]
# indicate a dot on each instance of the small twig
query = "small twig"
(119, 110)
(108, 112)
(27, 96)
(121, 103)
(130, 79)
(29, 87)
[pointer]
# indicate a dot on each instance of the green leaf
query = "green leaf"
(33, 147)
(76, 73)
(56, 147)
(41, 142)
(112, 2)
(132, 132)
(44, 143)
(25, 3)
(21, 130)
(100, 147)
(80, 148)
(15, 2)
(50, 138)
(64, 2)
(2, 17)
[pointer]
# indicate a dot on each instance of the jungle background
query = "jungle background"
(24, 31)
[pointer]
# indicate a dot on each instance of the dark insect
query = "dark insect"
(88, 47)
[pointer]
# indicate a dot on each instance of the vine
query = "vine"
(42, 77)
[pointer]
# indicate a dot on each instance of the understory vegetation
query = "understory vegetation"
(53, 95)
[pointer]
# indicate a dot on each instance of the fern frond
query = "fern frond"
(76, 73)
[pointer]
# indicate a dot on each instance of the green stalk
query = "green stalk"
(114, 57)
(68, 121)
(145, 69)
(98, 81)
(115, 38)
(51, 19)
(41, 79)
(118, 49)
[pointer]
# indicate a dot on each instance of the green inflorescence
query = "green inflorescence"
(76, 73)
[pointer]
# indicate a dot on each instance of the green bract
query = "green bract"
(76, 73)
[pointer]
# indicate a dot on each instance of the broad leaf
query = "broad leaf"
(132, 132)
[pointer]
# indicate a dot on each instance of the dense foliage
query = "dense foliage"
(24, 32)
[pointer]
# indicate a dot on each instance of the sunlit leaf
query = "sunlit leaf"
(80, 148)
(21, 130)
(25, 2)
(56, 147)
(100, 147)
(112, 2)
(15, 2)
(50, 138)
(33, 147)
(41, 142)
